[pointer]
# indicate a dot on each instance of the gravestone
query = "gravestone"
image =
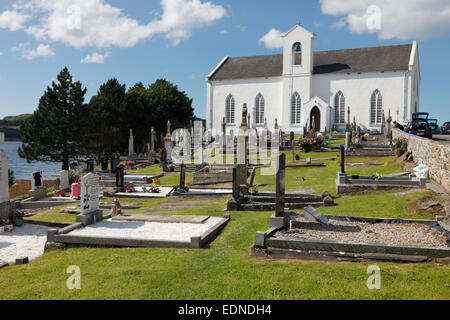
(64, 180)
(6, 209)
(2, 137)
(89, 165)
(120, 183)
(36, 181)
(182, 188)
(252, 177)
(114, 162)
(280, 185)
(291, 138)
(240, 188)
(89, 203)
(104, 162)
(312, 214)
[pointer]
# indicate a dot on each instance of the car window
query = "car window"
(420, 125)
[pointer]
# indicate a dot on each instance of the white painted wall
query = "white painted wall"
(245, 91)
(358, 89)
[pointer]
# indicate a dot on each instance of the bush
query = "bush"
(11, 178)
(305, 145)
(310, 143)
(401, 146)
(73, 177)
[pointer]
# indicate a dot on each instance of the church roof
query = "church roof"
(372, 59)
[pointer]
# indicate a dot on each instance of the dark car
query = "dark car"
(419, 125)
(434, 126)
(445, 129)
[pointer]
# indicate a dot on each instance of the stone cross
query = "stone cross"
(89, 193)
(4, 180)
(280, 185)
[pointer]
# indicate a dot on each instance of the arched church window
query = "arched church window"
(229, 110)
(339, 108)
(296, 108)
(259, 109)
(376, 107)
(297, 53)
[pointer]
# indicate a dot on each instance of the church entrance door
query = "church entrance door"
(315, 119)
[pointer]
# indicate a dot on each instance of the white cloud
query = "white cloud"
(42, 50)
(402, 19)
(12, 20)
(95, 58)
(1, 53)
(82, 23)
(272, 39)
(223, 32)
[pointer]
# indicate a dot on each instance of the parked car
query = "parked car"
(434, 126)
(445, 128)
(419, 125)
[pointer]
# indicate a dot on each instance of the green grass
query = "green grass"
(225, 270)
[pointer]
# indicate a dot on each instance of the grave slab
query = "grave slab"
(162, 218)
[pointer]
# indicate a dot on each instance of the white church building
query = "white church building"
(300, 85)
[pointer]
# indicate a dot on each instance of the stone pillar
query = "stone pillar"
(131, 144)
(280, 185)
(342, 159)
(5, 204)
(168, 144)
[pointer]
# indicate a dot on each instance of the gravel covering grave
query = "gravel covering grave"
(401, 234)
(26, 241)
(146, 230)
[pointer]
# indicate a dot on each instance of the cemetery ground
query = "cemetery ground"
(225, 270)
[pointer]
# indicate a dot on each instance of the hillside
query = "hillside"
(10, 126)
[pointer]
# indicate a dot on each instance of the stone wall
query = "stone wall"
(430, 153)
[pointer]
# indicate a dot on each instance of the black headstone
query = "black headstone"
(280, 185)
(120, 176)
(342, 158)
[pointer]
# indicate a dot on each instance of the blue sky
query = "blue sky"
(183, 40)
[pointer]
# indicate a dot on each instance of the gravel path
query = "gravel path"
(26, 241)
(409, 234)
(146, 230)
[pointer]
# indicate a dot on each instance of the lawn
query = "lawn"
(225, 270)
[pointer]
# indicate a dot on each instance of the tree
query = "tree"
(152, 107)
(170, 104)
(55, 132)
(105, 118)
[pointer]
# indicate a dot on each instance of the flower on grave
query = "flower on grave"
(19, 215)
(131, 163)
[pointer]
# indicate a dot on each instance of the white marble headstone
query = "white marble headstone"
(64, 179)
(2, 137)
(90, 188)
(4, 182)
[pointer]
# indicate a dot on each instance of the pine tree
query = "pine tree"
(56, 131)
